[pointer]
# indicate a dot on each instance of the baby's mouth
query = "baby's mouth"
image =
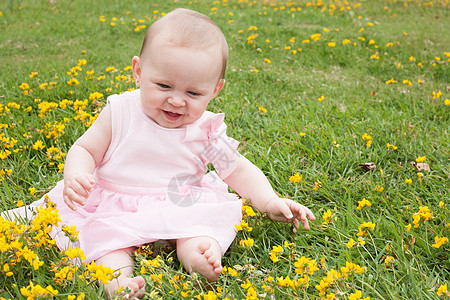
(172, 116)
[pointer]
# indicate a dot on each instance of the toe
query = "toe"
(217, 264)
(212, 260)
(208, 254)
(204, 246)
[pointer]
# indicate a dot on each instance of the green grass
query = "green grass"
(320, 140)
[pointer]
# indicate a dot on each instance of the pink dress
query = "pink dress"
(152, 184)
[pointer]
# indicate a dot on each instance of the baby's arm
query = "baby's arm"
(83, 157)
(251, 183)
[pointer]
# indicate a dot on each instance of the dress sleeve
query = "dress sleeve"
(221, 152)
(219, 149)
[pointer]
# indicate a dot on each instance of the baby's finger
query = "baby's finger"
(81, 187)
(295, 224)
(69, 203)
(86, 182)
(73, 196)
(304, 219)
(91, 179)
(310, 214)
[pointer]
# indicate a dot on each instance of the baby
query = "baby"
(139, 173)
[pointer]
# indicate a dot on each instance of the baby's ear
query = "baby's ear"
(219, 86)
(136, 64)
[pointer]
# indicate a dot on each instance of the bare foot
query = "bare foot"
(121, 261)
(132, 287)
(201, 255)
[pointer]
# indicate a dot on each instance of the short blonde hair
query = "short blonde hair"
(187, 28)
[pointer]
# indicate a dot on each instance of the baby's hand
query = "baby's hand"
(286, 210)
(76, 187)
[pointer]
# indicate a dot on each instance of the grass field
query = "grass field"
(343, 105)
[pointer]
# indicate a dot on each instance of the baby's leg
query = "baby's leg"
(202, 255)
(122, 260)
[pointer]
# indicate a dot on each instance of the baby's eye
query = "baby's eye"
(193, 93)
(163, 86)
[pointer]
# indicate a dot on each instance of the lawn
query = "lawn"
(344, 105)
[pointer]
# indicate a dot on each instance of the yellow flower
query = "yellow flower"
(408, 227)
(316, 37)
(321, 98)
(447, 102)
(379, 188)
(24, 86)
(443, 290)
(95, 96)
(421, 159)
(363, 203)
(437, 95)
(275, 252)
(350, 243)
(368, 139)
(408, 181)
(246, 243)
(390, 81)
(357, 295)
(331, 44)
(7, 270)
(362, 228)
(327, 217)
(242, 226)
(295, 178)
(424, 214)
(407, 82)
(73, 81)
(420, 175)
(317, 185)
(261, 108)
(393, 147)
(248, 211)
(111, 69)
(438, 242)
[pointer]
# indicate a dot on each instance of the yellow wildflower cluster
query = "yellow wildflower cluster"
(36, 291)
(424, 214)
(54, 155)
(362, 229)
(333, 277)
(54, 130)
(351, 242)
(96, 272)
(328, 217)
(45, 107)
(363, 203)
(305, 266)
(295, 178)
(243, 226)
(275, 252)
(391, 146)
(443, 291)
(368, 139)
(439, 241)
(317, 185)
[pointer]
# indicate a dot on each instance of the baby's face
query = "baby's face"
(177, 84)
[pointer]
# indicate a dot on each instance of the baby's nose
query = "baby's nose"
(177, 101)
